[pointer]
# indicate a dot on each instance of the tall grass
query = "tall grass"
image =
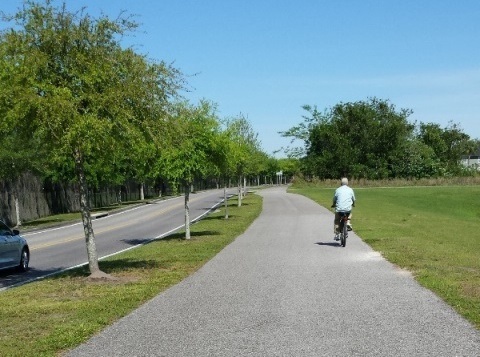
(441, 181)
(433, 231)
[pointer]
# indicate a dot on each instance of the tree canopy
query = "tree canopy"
(88, 111)
(85, 102)
(372, 139)
(244, 145)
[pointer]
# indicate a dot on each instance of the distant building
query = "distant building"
(472, 161)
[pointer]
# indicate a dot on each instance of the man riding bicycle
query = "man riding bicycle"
(343, 201)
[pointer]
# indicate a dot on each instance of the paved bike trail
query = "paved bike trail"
(285, 288)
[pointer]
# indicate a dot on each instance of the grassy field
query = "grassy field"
(433, 231)
(49, 316)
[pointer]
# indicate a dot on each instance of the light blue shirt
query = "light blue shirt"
(343, 199)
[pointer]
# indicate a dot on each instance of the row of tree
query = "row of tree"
(372, 139)
(76, 106)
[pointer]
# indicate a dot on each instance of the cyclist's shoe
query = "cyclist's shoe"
(349, 226)
(337, 236)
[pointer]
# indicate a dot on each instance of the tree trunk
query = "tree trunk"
(187, 211)
(239, 191)
(86, 217)
(225, 200)
(142, 193)
(17, 208)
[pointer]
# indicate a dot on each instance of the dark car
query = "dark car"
(14, 251)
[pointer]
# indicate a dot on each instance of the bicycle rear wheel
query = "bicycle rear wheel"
(344, 235)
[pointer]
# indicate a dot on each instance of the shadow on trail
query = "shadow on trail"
(329, 244)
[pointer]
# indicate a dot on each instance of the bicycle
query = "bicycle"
(343, 227)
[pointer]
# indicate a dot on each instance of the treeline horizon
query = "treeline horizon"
(371, 139)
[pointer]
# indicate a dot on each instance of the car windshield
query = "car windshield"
(4, 230)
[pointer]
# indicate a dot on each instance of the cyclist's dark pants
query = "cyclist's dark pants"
(336, 221)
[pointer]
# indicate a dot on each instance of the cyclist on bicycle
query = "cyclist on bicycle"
(343, 201)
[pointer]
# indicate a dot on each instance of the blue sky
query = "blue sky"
(266, 58)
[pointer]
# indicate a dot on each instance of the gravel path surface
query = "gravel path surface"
(285, 288)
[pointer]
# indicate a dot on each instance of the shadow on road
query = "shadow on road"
(137, 241)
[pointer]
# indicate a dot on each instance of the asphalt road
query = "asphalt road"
(285, 288)
(57, 249)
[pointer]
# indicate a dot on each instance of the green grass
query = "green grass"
(434, 232)
(47, 317)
